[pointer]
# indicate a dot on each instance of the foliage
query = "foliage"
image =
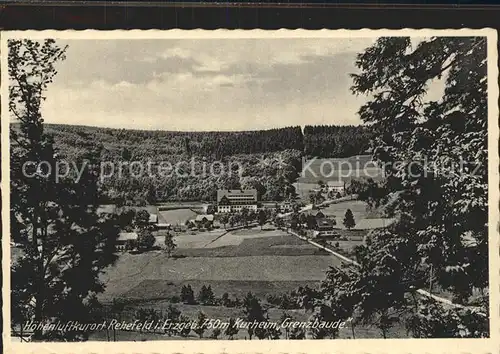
(173, 315)
(170, 245)
(335, 141)
(215, 333)
(206, 296)
(145, 239)
(186, 328)
(435, 156)
(254, 313)
(232, 329)
(262, 218)
(65, 243)
(349, 222)
(187, 295)
(201, 325)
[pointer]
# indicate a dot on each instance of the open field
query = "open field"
(198, 240)
(175, 216)
(130, 270)
(337, 211)
(284, 245)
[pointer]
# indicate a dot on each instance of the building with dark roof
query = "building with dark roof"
(232, 200)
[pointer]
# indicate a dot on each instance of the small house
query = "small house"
(336, 187)
(123, 238)
(205, 220)
(324, 224)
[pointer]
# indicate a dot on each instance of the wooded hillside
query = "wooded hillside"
(282, 148)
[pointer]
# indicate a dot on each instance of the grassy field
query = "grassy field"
(130, 270)
(337, 211)
(284, 245)
(175, 216)
(263, 262)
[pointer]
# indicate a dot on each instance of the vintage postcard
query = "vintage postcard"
(250, 191)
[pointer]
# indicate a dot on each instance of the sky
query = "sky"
(206, 84)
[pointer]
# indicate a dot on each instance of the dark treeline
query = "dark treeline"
(208, 144)
(318, 141)
(335, 141)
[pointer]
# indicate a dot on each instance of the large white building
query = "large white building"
(233, 200)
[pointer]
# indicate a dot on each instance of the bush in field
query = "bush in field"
(206, 296)
(173, 315)
(143, 315)
(215, 333)
(145, 240)
(232, 329)
(187, 295)
(201, 325)
(225, 300)
(297, 333)
(185, 327)
(349, 222)
(169, 244)
(254, 312)
(130, 245)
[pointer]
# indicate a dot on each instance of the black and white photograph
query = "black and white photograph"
(250, 185)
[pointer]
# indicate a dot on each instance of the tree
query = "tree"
(224, 219)
(173, 315)
(130, 245)
(169, 244)
(225, 300)
(141, 219)
(232, 329)
(126, 155)
(262, 218)
(201, 325)
(302, 219)
(297, 333)
(244, 216)
(65, 243)
(279, 222)
(349, 222)
(285, 316)
(215, 333)
(187, 295)
(185, 326)
(416, 140)
(145, 239)
(294, 221)
(206, 295)
(255, 314)
(325, 314)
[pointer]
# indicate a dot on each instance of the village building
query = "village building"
(234, 200)
(123, 238)
(204, 221)
(325, 227)
(336, 187)
(285, 207)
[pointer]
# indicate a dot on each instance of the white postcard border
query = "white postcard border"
(489, 345)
